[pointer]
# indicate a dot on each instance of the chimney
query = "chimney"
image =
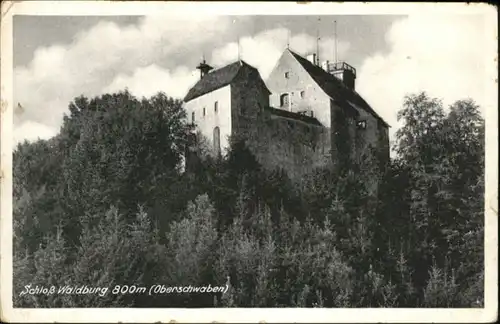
(312, 58)
(324, 65)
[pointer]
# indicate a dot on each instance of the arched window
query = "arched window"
(284, 100)
(217, 140)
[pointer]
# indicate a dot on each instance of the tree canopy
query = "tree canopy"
(106, 202)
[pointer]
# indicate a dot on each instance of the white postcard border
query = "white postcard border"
(76, 8)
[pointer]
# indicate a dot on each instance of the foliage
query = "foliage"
(107, 202)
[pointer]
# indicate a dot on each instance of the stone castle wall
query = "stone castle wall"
(292, 145)
(277, 142)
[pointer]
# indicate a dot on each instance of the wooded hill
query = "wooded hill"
(105, 203)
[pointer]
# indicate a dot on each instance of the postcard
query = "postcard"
(248, 162)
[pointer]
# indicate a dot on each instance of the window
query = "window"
(302, 94)
(217, 140)
(287, 75)
(192, 139)
(284, 100)
(361, 124)
(204, 111)
(216, 106)
(192, 117)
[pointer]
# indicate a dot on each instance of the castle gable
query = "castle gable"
(217, 79)
(334, 87)
(294, 90)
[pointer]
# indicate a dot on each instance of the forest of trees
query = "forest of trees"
(105, 202)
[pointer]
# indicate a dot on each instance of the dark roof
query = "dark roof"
(217, 79)
(292, 115)
(335, 88)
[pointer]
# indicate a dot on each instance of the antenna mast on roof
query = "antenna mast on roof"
(317, 42)
(335, 29)
(239, 58)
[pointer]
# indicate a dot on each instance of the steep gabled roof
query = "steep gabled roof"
(292, 115)
(335, 88)
(217, 79)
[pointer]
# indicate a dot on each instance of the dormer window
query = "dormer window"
(361, 124)
(287, 75)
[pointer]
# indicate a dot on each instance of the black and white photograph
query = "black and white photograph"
(246, 162)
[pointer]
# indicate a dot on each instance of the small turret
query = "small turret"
(204, 68)
(343, 71)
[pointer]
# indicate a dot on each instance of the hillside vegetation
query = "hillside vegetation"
(106, 203)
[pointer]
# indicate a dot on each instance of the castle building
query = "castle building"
(306, 115)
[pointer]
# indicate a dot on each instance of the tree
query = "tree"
(128, 153)
(441, 164)
(191, 243)
(107, 203)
